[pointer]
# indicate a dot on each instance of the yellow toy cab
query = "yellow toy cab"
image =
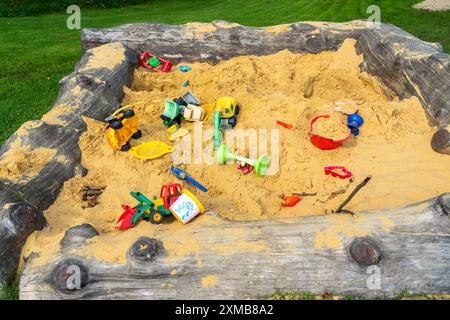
(229, 111)
(122, 126)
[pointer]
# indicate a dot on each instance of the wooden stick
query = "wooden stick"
(304, 194)
(348, 211)
(350, 197)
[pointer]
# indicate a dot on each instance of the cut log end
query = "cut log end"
(365, 251)
(440, 142)
(145, 249)
(69, 274)
(26, 216)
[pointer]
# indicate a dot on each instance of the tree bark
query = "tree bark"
(413, 252)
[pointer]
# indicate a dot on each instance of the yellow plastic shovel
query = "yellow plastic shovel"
(150, 150)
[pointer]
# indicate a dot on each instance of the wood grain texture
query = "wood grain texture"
(412, 251)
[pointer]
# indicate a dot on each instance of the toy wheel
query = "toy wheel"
(180, 101)
(126, 147)
(109, 119)
(128, 113)
(232, 121)
(116, 125)
(156, 217)
(137, 134)
(221, 154)
(236, 111)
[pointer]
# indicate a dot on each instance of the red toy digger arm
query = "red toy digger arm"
(169, 193)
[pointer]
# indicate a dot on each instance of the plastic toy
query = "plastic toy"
(155, 63)
(218, 134)
(185, 84)
(153, 210)
(346, 107)
(209, 107)
(225, 117)
(150, 150)
(323, 142)
(284, 124)
(290, 201)
(354, 121)
(338, 171)
(156, 209)
(229, 111)
(186, 207)
(178, 134)
(184, 68)
(122, 126)
(172, 115)
(187, 98)
(174, 109)
(180, 174)
(193, 113)
(172, 129)
(260, 166)
(245, 169)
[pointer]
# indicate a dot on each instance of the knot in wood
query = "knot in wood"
(69, 275)
(77, 235)
(145, 249)
(24, 214)
(365, 251)
(440, 142)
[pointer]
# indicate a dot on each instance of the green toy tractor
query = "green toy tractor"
(153, 210)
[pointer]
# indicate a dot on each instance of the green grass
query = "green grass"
(404, 294)
(36, 52)
(11, 292)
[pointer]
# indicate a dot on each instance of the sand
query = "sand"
(393, 147)
(332, 128)
(15, 163)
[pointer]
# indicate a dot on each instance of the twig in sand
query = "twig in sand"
(354, 192)
(348, 211)
(304, 194)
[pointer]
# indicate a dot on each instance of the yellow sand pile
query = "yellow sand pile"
(332, 128)
(393, 147)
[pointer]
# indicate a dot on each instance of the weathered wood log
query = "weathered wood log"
(17, 221)
(407, 247)
(93, 90)
(405, 64)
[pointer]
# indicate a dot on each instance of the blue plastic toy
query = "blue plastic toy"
(185, 84)
(354, 121)
(180, 174)
(185, 68)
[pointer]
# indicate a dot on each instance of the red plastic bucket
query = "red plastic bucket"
(322, 142)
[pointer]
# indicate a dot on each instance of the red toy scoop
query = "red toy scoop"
(125, 219)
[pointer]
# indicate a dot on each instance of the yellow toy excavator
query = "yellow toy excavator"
(225, 117)
(122, 126)
(229, 111)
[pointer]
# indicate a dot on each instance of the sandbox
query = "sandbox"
(244, 215)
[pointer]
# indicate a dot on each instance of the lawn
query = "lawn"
(36, 52)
